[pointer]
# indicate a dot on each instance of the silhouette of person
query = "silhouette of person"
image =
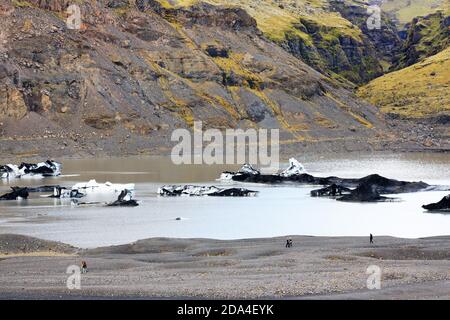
(83, 267)
(371, 238)
(288, 243)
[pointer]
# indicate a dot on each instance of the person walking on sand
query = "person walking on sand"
(371, 238)
(83, 267)
(288, 243)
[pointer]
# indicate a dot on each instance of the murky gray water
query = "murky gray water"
(276, 211)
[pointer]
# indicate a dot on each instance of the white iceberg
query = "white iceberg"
(245, 169)
(248, 169)
(93, 187)
(64, 193)
(9, 171)
(295, 168)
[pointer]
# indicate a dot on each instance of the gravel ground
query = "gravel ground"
(315, 267)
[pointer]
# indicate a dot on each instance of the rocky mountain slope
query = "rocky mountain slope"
(330, 35)
(404, 11)
(136, 71)
(425, 36)
(419, 92)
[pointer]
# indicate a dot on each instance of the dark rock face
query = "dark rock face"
(353, 60)
(52, 5)
(331, 191)
(214, 16)
(17, 193)
(214, 51)
(425, 36)
(257, 111)
(443, 205)
(118, 3)
(385, 41)
(356, 58)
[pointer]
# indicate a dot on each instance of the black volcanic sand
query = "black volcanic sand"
(315, 267)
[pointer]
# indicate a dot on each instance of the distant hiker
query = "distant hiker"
(288, 243)
(83, 267)
(371, 238)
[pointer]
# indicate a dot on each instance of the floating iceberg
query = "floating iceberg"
(212, 191)
(16, 194)
(92, 187)
(295, 168)
(64, 193)
(48, 168)
(246, 169)
(333, 190)
(123, 200)
(9, 171)
(443, 205)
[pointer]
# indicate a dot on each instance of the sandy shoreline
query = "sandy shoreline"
(315, 267)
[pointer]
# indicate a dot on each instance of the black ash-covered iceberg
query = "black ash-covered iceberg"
(246, 170)
(364, 193)
(48, 168)
(41, 189)
(443, 205)
(334, 185)
(15, 194)
(124, 200)
(212, 191)
(333, 190)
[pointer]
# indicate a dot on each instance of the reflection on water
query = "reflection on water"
(278, 210)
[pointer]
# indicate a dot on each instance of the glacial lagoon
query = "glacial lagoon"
(277, 210)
